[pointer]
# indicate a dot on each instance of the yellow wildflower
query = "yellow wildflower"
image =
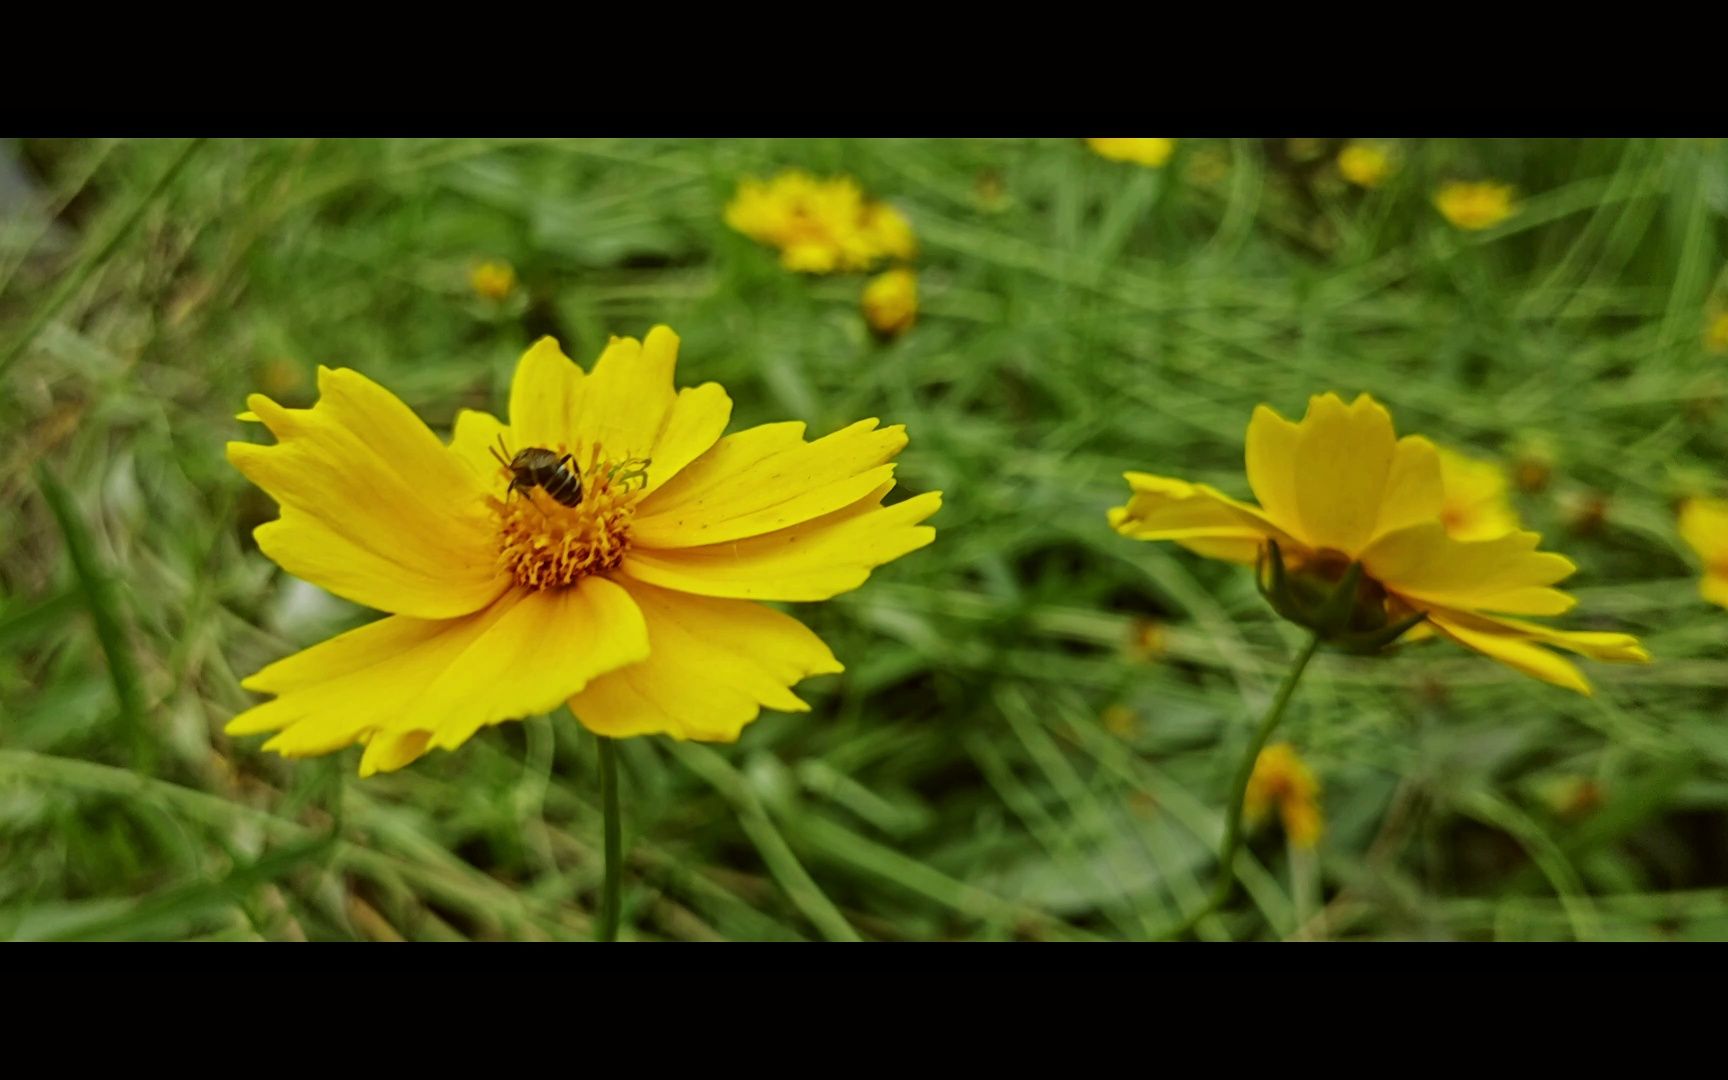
(1281, 777)
(1704, 527)
(1716, 333)
(890, 302)
(1341, 494)
(1152, 153)
(638, 603)
(1475, 506)
(1365, 164)
(493, 279)
(1147, 640)
(1475, 205)
(1119, 720)
(820, 226)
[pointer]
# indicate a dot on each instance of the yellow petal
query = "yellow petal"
(1513, 650)
(1414, 491)
(373, 507)
(1704, 527)
(1200, 518)
(1506, 574)
(476, 441)
(814, 560)
(739, 491)
(543, 397)
(401, 683)
(1344, 454)
(625, 399)
(1271, 454)
(1596, 644)
(712, 666)
(1714, 588)
(696, 421)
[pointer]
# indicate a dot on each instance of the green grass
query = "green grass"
(957, 782)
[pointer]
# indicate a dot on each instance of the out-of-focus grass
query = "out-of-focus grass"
(1081, 317)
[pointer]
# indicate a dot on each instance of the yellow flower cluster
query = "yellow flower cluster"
(1475, 205)
(820, 225)
(1150, 153)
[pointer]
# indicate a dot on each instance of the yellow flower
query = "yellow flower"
(1340, 488)
(1365, 164)
(1704, 527)
(1152, 153)
(1716, 333)
(1119, 720)
(891, 302)
(820, 226)
(1475, 206)
(640, 604)
(493, 279)
(1283, 778)
(1208, 166)
(1475, 504)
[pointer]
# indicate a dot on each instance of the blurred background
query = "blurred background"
(1038, 720)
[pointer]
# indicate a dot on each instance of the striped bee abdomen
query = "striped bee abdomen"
(536, 466)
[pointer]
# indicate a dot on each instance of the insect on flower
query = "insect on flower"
(537, 467)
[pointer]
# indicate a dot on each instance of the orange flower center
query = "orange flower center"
(547, 545)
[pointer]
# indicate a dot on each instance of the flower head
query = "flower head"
(1151, 153)
(1716, 332)
(1343, 500)
(620, 570)
(1704, 527)
(1475, 205)
(890, 302)
(820, 226)
(1281, 778)
(493, 279)
(1365, 164)
(1474, 504)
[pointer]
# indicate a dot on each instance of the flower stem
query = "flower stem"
(1239, 788)
(614, 840)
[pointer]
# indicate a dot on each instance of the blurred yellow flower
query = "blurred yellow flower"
(1304, 149)
(890, 302)
(637, 601)
(1119, 720)
(1152, 153)
(1476, 505)
(1365, 164)
(1147, 640)
(1281, 778)
(1704, 527)
(1340, 491)
(820, 226)
(493, 279)
(1475, 205)
(1716, 333)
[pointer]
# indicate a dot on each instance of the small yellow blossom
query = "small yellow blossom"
(1147, 640)
(1716, 333)
(820, 226)
(890, 302)
(1339, 494)
(1533, 466)
(1152, 153)
(282, 376)
(1475, 205)
(1119, 720)
(1304, 149)
(1476, 505)
(639, 601)
(1283, 779)
(1704, 527)
(493, 279)
(1365, 164)
(1573, 796)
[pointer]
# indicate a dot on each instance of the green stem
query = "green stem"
(614, 840)
(1239, 788)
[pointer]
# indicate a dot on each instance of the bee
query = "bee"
(536, 467)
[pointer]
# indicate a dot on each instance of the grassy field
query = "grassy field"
(1006, 756)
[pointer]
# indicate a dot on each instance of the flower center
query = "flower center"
(545, 544)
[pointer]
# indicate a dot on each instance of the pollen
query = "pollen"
(545, 545)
